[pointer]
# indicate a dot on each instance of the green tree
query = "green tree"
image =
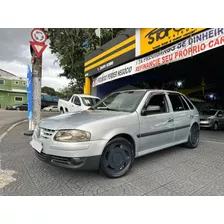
(67, 45)
(50, 91)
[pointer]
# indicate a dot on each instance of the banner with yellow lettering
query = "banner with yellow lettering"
(155, 38)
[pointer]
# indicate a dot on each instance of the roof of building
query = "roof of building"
(7, 75)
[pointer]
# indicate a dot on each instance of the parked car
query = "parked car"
(53, 108)
(123, 126)
(18, 107)
(77, 103)
(212, 119)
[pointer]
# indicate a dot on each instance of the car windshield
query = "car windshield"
(126, 101)
(87, 101)
(208, 112)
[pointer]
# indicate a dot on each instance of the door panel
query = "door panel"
(156, 130)
(182, 117)
(221, 119)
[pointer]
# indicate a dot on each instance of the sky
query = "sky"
(15, 56)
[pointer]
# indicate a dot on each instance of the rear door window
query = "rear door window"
(177, 103)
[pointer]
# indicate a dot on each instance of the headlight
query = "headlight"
(37, 131)
(72, 136)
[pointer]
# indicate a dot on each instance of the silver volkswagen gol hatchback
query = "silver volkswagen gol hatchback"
(123, 126)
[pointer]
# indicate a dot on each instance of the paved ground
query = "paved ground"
(7, 118)
(174, 171)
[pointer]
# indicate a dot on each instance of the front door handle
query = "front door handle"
(170, 120)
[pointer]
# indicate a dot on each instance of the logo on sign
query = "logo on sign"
(161, 33)
(155, 38)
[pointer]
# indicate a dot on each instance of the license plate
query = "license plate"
(36, 145)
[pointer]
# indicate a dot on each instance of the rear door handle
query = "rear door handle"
(170, 120)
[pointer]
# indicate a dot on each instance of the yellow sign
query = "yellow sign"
(155, 38)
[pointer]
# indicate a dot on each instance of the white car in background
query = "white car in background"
(77, 103)
(53, 108)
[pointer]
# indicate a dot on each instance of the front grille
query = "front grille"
(203, 119)
(46, 133)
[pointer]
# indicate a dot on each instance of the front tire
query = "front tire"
(193, 138)
(215, 126)
(62, 111)
(117, 158)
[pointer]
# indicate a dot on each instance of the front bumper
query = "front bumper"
(79, 155)
(83, 163)
(205, 124)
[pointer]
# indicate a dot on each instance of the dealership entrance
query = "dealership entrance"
(199, 72)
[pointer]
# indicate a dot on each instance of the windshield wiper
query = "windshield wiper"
(105, 108)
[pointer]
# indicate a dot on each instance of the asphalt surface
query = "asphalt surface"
(9, 117)
(174, 171)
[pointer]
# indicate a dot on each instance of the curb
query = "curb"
(10, 128)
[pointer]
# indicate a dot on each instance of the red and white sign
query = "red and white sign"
(38, 35)
(189, 47)
(38, 44)
(38, 48)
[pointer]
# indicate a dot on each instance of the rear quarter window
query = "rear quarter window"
(188, 102)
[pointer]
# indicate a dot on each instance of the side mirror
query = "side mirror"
(151, 109)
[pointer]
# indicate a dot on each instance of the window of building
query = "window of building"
(2, 82)
(18, 98)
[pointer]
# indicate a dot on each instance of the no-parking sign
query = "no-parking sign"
(38, 35)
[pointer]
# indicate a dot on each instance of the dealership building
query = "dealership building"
(147, 54)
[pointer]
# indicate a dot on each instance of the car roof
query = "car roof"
(147, 90)
(86, 95)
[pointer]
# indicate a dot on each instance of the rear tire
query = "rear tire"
(193, 138)
(215, 126)
(117, 158)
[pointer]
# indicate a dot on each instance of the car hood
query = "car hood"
(206, 116)
(74, 120)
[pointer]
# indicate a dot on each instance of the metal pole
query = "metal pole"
(36, 96)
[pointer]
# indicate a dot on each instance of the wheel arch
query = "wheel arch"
(127, 137)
